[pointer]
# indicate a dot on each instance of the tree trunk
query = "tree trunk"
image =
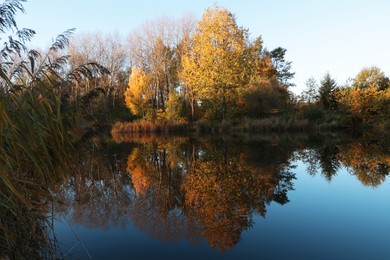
(223, 107)
(192, 103)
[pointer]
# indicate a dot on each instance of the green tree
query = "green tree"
(283, 67)
(327, 92)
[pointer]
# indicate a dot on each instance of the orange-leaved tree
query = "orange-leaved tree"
(139, 94)
(214, 67)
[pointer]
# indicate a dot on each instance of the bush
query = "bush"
(313, 113)
(275, 124)
(175, 108)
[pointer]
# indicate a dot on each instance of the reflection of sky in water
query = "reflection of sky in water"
(337, 220)
(126, 243)
(340, 219)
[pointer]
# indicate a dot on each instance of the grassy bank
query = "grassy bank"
(273, 124)
(146, 127)
(248, 126)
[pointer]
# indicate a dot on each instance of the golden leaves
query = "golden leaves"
(138, 94)
(214, 66)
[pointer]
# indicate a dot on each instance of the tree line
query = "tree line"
(187, 70)
(363, 101)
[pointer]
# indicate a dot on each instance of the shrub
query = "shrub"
(313, 112)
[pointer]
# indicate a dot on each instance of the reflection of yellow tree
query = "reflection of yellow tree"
(369, 163)
(182, 189)
(185, 188)
(209, 201)
(141, 180)
(156, 168)
(223, 191)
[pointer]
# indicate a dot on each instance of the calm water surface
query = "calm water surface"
(272, 197)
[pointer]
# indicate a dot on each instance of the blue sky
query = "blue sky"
(336, 36)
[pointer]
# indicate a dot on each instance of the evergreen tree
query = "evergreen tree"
(327, 92)
(283, 67)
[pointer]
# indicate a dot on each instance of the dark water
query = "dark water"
(270, 197)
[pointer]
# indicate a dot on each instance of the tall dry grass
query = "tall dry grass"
(36, 135)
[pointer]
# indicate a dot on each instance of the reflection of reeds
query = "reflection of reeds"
(147, 127)
(127, 137)
(274, 124)
(271, 124)
(25, 234)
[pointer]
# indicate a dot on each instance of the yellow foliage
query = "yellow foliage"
(368, 103)
(366, 161)
(138, 95)
(140, 179)
(214, 67)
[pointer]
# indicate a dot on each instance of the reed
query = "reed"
(37, 134)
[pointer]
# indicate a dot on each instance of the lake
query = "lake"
(227, 197)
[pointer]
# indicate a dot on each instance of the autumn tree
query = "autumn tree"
(188, 77)
(175, 107)
(183, 48)
(214, 67)
(369, 105)
(156, 48)
(372, 76)
(367, 99)
(139, 94)
(265, 86)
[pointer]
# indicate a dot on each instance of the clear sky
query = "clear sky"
(336, 36)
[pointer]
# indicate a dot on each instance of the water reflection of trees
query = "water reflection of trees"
(211, 187)
(366, 158)
(324, 159)
(179, 188)
(99, 193)
(183, 188)
(368, 161)
(156, 170)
